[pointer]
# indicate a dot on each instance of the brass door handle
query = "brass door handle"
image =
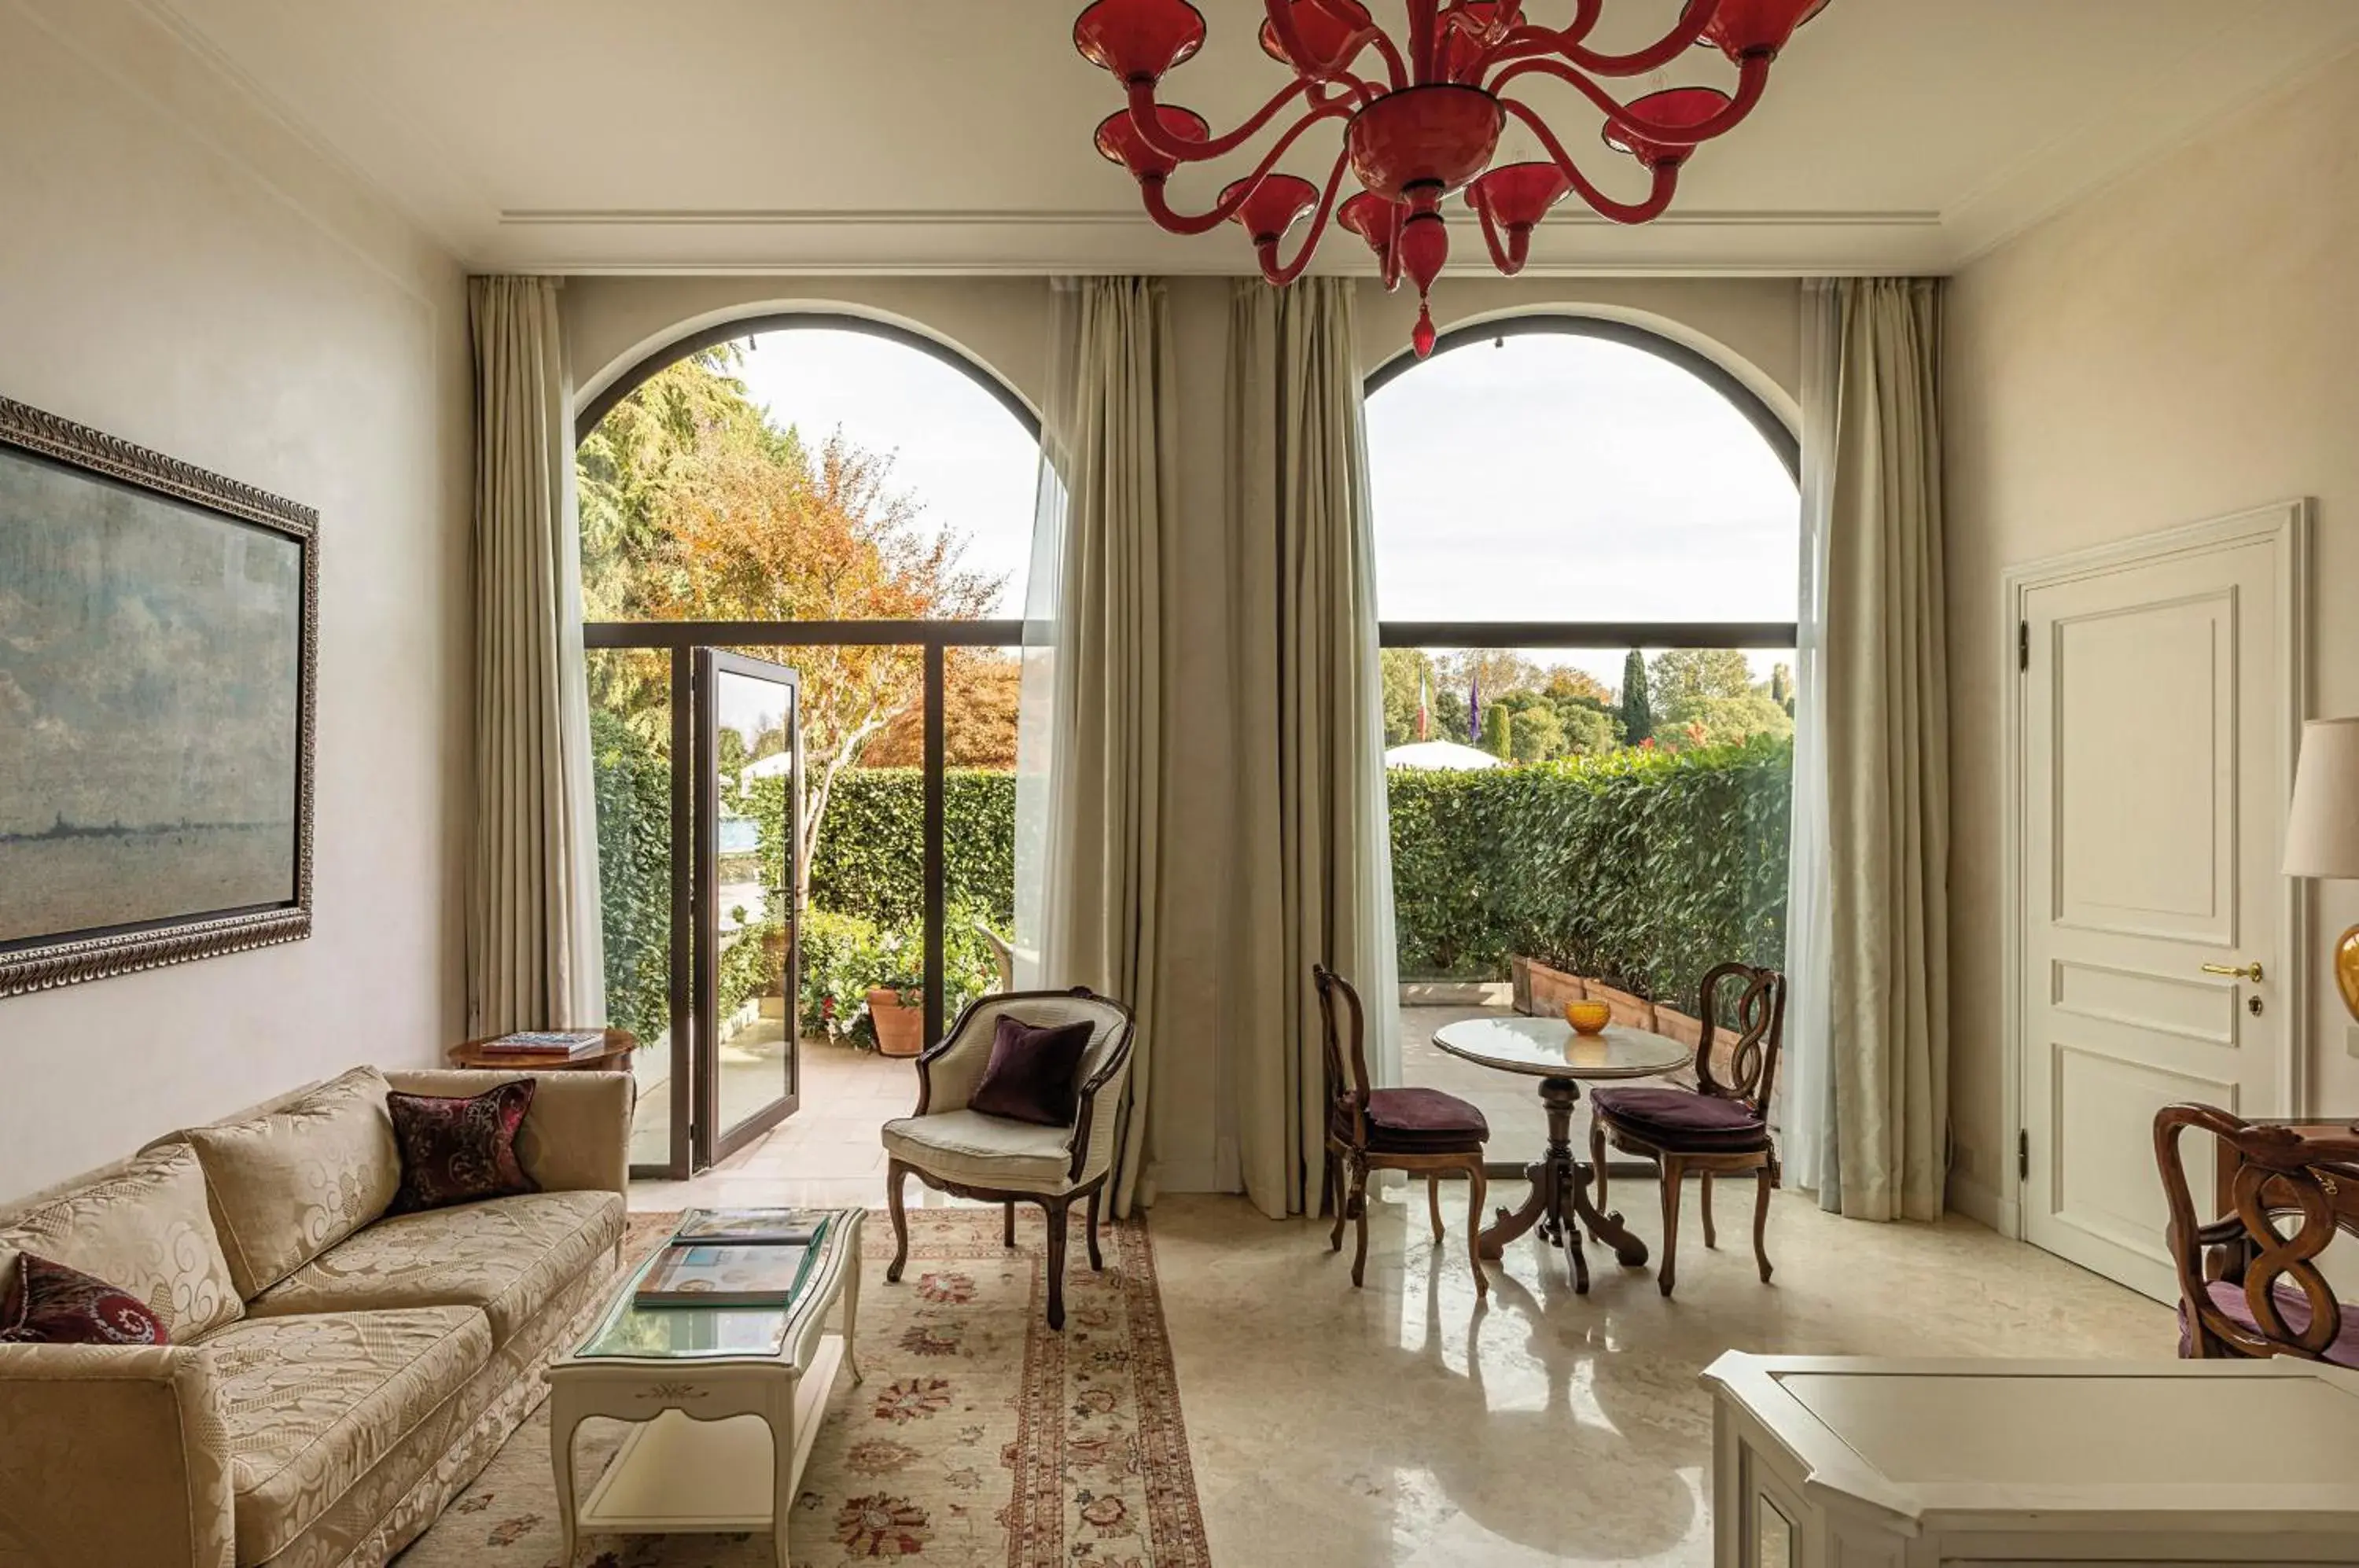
(2243, 972)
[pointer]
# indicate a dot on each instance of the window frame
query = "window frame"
(681, 638)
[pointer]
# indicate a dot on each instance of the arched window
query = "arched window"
(1587, 550)
(804, 543)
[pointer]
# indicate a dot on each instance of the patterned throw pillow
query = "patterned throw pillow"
(456, 1150)
(53, 1304)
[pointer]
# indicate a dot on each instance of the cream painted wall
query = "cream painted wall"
(2184, 345)
(178, 271)
(1004, 322)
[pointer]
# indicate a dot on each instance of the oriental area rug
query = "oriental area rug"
(978, 1437)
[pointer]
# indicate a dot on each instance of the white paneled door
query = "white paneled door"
(2158, 691)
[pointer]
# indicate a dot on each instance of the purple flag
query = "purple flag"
(1475, 708)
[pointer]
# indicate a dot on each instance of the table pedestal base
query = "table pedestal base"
(1559, 1202)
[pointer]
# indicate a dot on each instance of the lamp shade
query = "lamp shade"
(2322, 830)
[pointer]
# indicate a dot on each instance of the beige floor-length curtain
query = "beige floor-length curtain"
(1313, 879)
(1094, 759)
(1887, 757)
(533, 942)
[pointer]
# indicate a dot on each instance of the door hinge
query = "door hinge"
(2022, 1155)
(2023, 645)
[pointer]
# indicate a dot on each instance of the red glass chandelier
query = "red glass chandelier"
(1423, 121)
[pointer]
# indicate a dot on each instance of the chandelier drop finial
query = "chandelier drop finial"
(1422, 121)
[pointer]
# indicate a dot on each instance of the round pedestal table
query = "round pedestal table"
(1548, 1050)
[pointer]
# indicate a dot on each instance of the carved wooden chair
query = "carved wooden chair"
(1421, 1131)
(1720, 1127)
(953, 1149)
(2262, 1293)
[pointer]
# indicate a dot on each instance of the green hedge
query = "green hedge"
(871, 859)
(1646, 868)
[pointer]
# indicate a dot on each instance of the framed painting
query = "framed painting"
(159, 654)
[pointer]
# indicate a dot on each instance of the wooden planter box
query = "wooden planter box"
(1629, 1011)
(1542, 992)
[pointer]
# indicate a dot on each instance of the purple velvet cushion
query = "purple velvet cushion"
(1035, 1072)
(1427, 1121)
(459, 1150)
(52, 1304)
(2293, 1306)
(1682, 1117)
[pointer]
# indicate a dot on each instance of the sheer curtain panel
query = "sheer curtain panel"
(1094, 736)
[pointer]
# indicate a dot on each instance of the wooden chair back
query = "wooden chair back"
(1745, 1071)
(2283, 1172)
(1344, 1046)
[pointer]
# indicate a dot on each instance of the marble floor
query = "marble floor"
(1403, 1426)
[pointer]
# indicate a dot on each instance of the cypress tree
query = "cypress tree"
(1637, 714)
(1498, 732)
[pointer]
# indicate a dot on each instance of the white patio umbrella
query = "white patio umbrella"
(1443, 755)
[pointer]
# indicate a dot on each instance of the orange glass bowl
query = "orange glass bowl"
(1588, 1018)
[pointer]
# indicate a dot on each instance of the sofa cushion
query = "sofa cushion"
(982, 1151)
(311, 1404)
(459, 1149)
(291, 1183)
(507, 1257)
(146, 1226)
(52, 1304)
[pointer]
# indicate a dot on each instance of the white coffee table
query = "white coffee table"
(725, 1402)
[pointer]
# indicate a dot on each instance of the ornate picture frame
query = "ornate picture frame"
(158, 692)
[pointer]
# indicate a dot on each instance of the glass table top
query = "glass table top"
(1546, 1047)
(626, 1331)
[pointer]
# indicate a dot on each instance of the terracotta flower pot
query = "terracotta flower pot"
(900, 1031)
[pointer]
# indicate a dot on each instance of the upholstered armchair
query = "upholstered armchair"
(952, 1148)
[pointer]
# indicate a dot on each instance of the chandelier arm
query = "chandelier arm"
(1666, 175)
(1567, 41)
(1281, 22)
(1150, 192)
(1293, 270)
(1752, 77)
(1527, 39)
(1149, 124)
(1508, 264)
(1370, 38)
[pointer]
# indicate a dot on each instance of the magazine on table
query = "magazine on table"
(750, 1227)
(547, 1042)
(767, 1275)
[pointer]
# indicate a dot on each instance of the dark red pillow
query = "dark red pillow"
(52, 1304)
(457, 1150)
(1033, 1074)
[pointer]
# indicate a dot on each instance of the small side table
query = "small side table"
(615, 1057)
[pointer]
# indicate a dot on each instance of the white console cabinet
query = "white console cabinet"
(1836, 1461)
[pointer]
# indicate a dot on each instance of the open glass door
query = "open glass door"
(747, 962)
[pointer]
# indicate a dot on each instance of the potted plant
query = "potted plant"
(896, 1011)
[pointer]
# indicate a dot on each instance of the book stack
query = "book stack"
(733, 1258)
(546, 1045)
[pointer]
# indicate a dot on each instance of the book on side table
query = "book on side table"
(534, 1045)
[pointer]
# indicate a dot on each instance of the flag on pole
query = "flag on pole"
(1424, 714)
(1475, 708)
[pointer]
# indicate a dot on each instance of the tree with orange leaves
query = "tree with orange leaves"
(695, 507)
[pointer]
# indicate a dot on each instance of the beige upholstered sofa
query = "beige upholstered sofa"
(335, 1375)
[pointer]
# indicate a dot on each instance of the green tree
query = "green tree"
(1401, 668)
(1781, 687)
(1679, 678)
(1536, 734)
(1637, 714)
(1498, 731)
(1724, 721)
